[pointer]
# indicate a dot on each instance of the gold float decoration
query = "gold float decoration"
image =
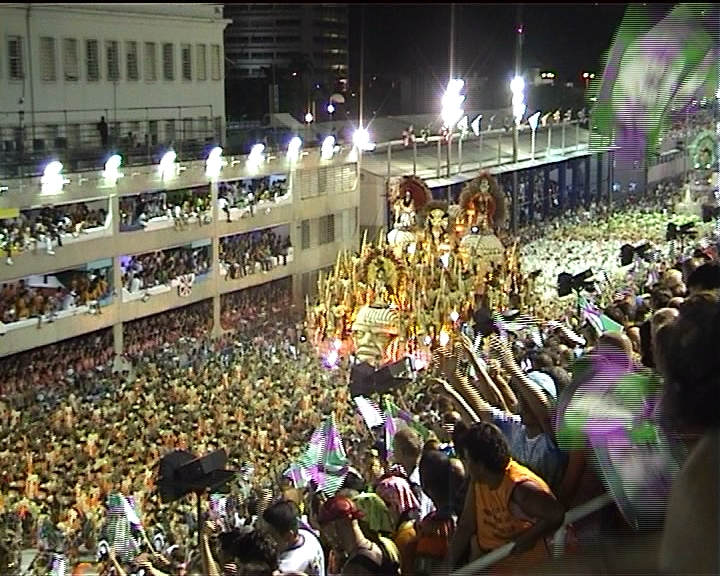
(412, 290)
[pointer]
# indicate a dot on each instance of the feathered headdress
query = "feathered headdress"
(417, 189)
(483, 197)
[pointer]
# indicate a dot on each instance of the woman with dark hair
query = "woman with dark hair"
(688, 356)
(505, 502)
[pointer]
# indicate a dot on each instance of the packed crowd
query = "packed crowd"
(24, 299)
(258, 251)
(485, 449)
(178, 206)
(45, 228)
(246, 194)
(145, 271)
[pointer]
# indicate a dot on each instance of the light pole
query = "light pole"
(587, 76)
(452, 111)
(517, 88)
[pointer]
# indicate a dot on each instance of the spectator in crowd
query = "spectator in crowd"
(146, 271)
(243, 254)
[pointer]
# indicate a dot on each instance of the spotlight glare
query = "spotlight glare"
(294, 147)
(214, 162)
(167, 164)
(328, 148)
(112, 168)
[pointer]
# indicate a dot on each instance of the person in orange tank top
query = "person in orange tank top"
(506, 503)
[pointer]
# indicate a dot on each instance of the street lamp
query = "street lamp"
(452, 111)
(587, 76)
(517, 88)
(308, 120)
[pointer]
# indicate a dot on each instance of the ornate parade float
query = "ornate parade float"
(416, 287)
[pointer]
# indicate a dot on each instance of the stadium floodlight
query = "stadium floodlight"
(112, 169)
(255, 158)
(52, 180)
(328, 148)
(361, 139)
(168, 166)
(331, 108)
(214, 163)
(517, 88)
(309, 117)
(452, 102)
(293, 150)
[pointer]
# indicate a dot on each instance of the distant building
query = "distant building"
(154, 72)
(263, 35)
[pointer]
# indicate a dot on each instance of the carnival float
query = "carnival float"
(415, 288)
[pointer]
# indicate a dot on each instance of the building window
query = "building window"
(186, 56)
(201, 62)
(131, 60)
(71, 61)
(305, 235)
(170, 131)
(150, 62)
(112, 57)
(327, 229)
(16, 63)
(48, 65)
(168, 62)
(215, 63)
(92, 60)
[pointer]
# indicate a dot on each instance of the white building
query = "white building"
(153, 71)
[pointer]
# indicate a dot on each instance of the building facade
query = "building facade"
(265, 35)
(77, 80)
(317, 215)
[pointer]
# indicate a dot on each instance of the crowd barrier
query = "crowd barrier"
(558, 540)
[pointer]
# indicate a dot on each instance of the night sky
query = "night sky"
(564, 38)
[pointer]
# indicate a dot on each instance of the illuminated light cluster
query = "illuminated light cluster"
(168, 165)
(452, 102)
(361, 140)
(257, 155)
(547, 75)
(52, 180)
(517, 87)
(328, 148)
(214, 163)
(294, 146)
(111, 173)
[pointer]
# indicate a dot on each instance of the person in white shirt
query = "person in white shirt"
(299, 549)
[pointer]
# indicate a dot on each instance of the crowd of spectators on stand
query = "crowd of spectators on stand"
(256, 307)
(179, 206)
(247, 194)
(36, 380)
(514, 434)
(45, 228)
(23, 299)
(258, 251)
(144, 271)
(148, 335)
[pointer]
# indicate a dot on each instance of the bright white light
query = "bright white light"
(308, 118)
(452, 102)
(517, 87)
(167, 165)
(337, 344)
(427, 340)
(454, 316)
(533, 120)
(52, 180)
(444, 338)
(411, 248)
(256, 154)
(328, 148)
(214, 162)
(419, 364)
(112, 169)
(331, 108)
(445, 259)
(361, 139)
(294, 148)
